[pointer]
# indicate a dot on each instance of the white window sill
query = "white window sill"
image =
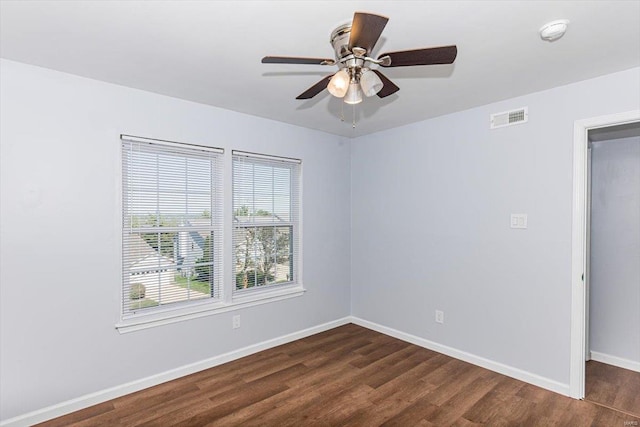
(249, 299)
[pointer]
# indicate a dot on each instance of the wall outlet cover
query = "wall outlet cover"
(518, 220)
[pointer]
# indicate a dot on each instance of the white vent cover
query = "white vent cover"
(508, 118)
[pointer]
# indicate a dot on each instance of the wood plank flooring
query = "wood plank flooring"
(348, 376)
(612, 386)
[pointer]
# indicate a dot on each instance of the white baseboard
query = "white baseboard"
(500, 368)
(632, 365)
(82, 402)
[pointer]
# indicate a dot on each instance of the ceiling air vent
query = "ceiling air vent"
(509, 118)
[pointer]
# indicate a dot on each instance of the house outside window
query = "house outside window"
(266, 222)
(172, 225)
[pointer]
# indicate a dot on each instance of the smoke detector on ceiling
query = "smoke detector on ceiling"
(553, 30)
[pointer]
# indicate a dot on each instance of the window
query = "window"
(266, 221)
(172, 225)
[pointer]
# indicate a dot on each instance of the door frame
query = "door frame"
(579, 230)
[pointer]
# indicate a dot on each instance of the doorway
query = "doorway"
(579, 249)
(612, 279)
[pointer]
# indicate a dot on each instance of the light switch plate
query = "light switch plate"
(518, 220)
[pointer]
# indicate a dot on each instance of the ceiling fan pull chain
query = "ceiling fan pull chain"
(342, 111)
(354, 116)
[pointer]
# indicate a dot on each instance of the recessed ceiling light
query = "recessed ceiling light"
(554, 30)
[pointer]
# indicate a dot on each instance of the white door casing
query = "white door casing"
(579, 241)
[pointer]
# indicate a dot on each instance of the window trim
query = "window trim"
(265, 156)
(164, 313)
(166, 142)
(229, 302)
(209, 308)
(295, 222)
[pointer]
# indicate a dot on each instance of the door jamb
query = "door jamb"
(578, 241)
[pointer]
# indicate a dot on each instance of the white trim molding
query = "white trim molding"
(85, 401)
(169, 143)
(578, 241)
(91, 399)
(195, 311)
(620, 362)
(500, 368)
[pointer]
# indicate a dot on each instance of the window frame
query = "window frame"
(214, 185)
(294, 224)
(228, 301)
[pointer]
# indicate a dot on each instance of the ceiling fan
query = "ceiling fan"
(353, 43)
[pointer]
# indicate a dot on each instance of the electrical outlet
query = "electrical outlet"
(236, 321)
(518, 220)
(439, 316)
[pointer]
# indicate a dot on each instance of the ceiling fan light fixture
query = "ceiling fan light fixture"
(339, 84)
(370, 83)
(354, 95)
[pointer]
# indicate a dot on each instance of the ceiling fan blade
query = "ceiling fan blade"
(389, 88)
(297, 60)
(315, 89)
(365, 30)
(427, 56)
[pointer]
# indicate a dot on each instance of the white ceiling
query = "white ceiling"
(210, 51)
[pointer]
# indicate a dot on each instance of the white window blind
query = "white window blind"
(172, 224)
(266, 221)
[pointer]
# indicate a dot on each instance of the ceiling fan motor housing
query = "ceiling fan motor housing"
(340, 41)
(350, 59)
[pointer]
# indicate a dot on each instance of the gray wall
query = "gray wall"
(397, 223)
(615, 248)
(60, 235)
(430, 229)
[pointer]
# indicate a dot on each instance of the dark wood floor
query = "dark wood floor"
(348, 376)
(612, 386)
